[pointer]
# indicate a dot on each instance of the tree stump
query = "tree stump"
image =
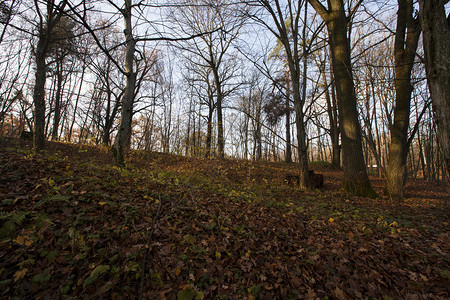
(315, 180)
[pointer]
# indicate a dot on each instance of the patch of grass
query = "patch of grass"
(320, 163)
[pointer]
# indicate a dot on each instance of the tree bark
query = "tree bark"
(299, 101)
(258, 139)
(356, 180)
(123, 137)
(83, 70)
(39, 92)
(209, 124)
(333, 119)
(45, 28)
(58, 96)
(288, 154)
(288, 35)
(436, 44)
(220, 137)
(406, 39)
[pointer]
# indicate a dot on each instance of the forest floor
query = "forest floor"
(72, 225)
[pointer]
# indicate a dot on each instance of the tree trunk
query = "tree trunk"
(332, 117)
(209, 132)
(299, 100)
(58, 96)
(356, 180)
(258, 138)
(246, 125)
(436, 44)
(124, 133)
(39, 93)
(288, 155)
(406, 39)
(168, 128)
(220, 137)
(188, 133)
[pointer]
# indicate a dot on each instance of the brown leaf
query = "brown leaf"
(20, 274)
(339, 294)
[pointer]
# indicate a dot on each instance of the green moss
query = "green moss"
(362, 189)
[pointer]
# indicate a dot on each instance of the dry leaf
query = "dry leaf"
(20, 274)
(24, 240)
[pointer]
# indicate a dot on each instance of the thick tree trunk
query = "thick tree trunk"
(356, 180)
(39, 93)
(406, 39)
(52, 18)
(436, 44)
(124, 134)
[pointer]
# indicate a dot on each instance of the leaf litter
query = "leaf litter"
(74, 225)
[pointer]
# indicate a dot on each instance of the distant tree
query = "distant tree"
(127, 12)
(109, 85)
(223, 24)
(8, 9)
(200, 86)
(256, 100)
(283, 82)
(15, 67)
(332, 110)
(62, 44)
(286, 28)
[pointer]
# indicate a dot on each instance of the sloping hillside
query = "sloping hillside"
(72, 224)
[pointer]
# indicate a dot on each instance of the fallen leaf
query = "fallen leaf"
(339, 294)
(20, 274)
(24, 240)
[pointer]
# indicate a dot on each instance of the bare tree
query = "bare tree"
(15, 65)
(201, 86)
(406, 39)
(126, 12)
(330, 98)
(436, 44)
(8, 9)
(48, 18)
(286, 29)
(223, 23)
(62, 45)
(356, 180)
